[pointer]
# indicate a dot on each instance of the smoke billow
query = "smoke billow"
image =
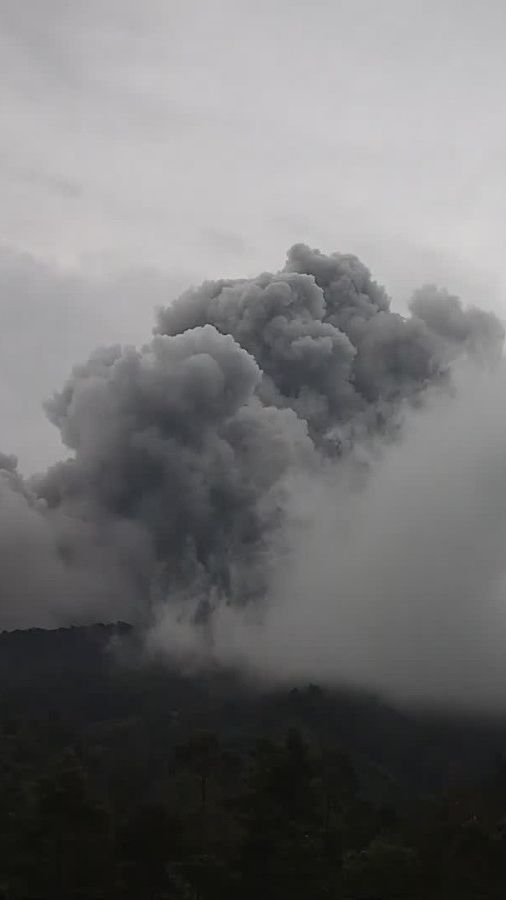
(290, 476)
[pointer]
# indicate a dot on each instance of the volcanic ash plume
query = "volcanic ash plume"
(192, 458)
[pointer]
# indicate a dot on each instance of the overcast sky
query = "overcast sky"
(145, 145)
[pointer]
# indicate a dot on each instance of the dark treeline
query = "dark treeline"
(122, 781)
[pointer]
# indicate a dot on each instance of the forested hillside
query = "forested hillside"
(122, 780)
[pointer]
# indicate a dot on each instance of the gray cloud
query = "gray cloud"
(173, 439)
(57, 567)
(264, 482)
(481, 334)
(327, 342)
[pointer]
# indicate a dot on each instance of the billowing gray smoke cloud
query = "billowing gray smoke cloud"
(190, 457)
(174, 439)
(57, 567)
(324, 338)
